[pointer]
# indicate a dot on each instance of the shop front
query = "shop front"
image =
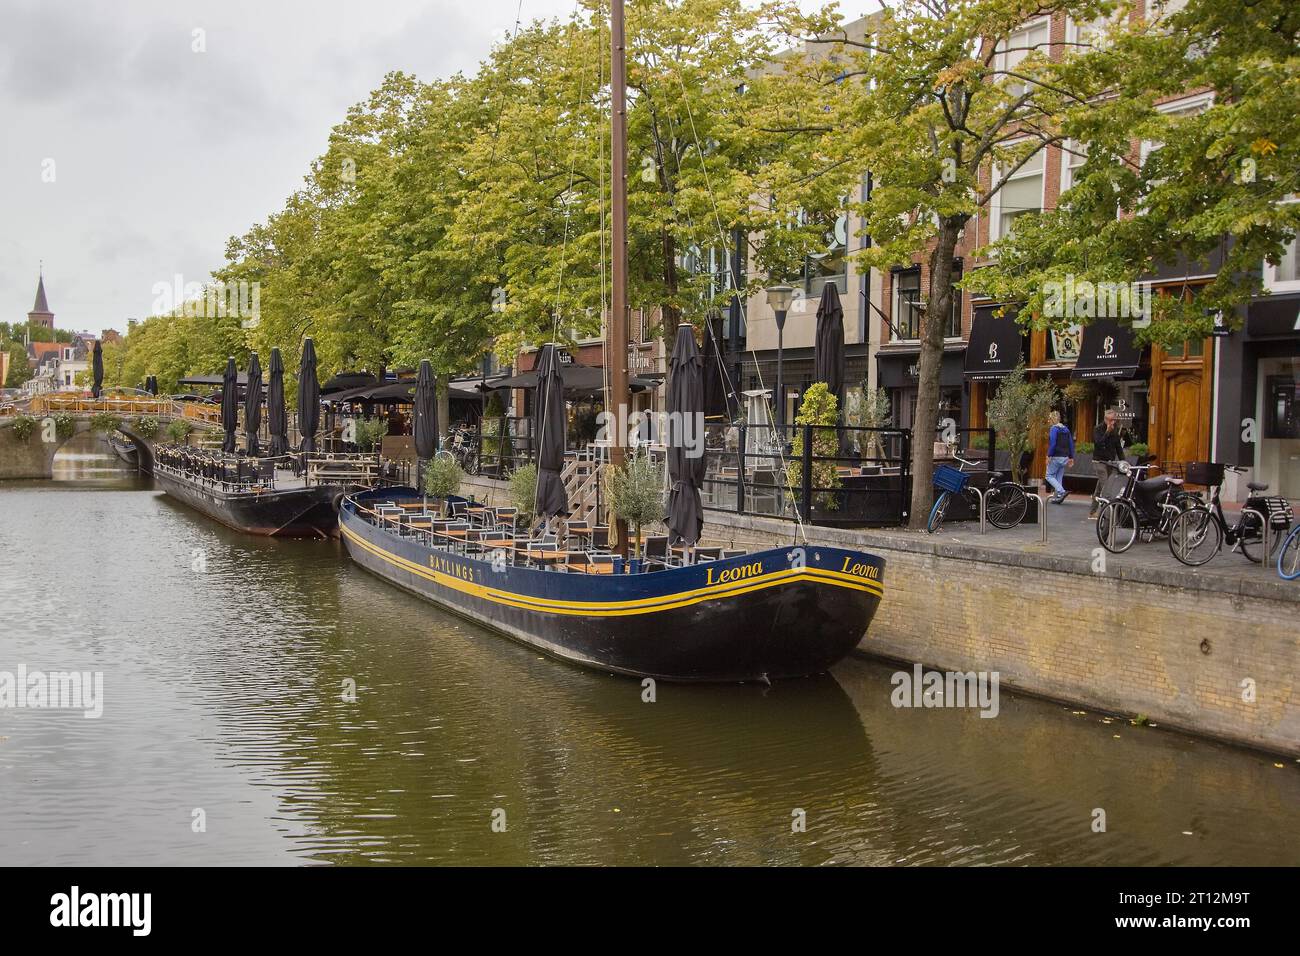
(1259, 411)
(899, 373)
(997, 345)
(1108, 373)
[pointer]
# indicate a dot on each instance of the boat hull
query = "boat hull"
(773, 614)
(287, 513)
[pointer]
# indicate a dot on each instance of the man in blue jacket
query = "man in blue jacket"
(1060, 453)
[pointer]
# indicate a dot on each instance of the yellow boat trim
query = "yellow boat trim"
(617, 608)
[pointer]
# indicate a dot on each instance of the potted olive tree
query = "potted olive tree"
(523, 492)
(442, 479)
(636, 493)
(1018, 414)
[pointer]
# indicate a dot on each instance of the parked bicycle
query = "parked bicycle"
(1005, 501)
(462, 446)
(1146, 508)
(1197, 535)
(1288, 557)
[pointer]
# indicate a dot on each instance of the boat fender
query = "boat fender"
(337, 501)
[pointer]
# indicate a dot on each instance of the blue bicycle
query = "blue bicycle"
(1288, 559)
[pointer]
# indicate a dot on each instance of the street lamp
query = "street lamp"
(778, 297)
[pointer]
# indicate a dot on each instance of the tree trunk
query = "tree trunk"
(934, 323)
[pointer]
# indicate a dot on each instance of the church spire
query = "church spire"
(41, 314)
(41, 305)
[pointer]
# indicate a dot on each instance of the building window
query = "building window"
(907, 301)
(1031, 38)
(1073, 156)
(1021, 192)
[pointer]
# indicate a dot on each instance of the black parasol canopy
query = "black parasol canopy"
(98, 366)
(426, 413)
(253, 405)
(549, 427)
(828, 359)
(685, 517)
(308, 397)
(229, 406)
(277, 416)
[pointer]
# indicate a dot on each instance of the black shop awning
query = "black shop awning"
(995, 344)
(1107, 351)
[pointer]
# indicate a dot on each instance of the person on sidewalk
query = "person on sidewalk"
(1060, 453)
(1107, 453)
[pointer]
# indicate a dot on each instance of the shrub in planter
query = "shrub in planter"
(64, 425)
(147, 426)
(369, 432)
(819, 407)
(523, 492)
(179, 430)
(24, 425)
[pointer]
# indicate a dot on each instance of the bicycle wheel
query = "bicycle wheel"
(1195, 537)
(935, 520)
(1288, 558)
(1251, 537)
(1117, 526)
(1005, 505)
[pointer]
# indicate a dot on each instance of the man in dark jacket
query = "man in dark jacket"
(1107, 453)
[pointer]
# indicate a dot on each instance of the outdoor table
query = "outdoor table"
(543, 556)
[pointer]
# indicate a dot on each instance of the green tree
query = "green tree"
(19, 370)
(929, 103)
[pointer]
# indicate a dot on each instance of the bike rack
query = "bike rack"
(1263, 520)
(1041, 514)
(983, 508)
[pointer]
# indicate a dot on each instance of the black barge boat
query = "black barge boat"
(249, 495)
(783, 612)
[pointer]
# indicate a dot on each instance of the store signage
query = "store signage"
(1066, 342)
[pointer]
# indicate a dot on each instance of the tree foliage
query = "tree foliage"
(1213, 182)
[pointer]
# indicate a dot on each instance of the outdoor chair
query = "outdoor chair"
(656, 548)
(600, 537)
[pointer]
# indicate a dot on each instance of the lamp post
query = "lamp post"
(778, 297)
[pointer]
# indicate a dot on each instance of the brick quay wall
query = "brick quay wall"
(1218, 659)
(1213, 656)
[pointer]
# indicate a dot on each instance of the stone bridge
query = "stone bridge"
(33, 457)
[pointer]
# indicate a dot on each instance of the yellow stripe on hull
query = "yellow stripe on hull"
(617, 608)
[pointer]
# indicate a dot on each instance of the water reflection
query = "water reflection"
(227, 660)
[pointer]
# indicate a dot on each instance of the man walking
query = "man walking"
(1060, 453)
(1107, 452)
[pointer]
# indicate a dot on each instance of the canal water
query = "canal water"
(229, 733)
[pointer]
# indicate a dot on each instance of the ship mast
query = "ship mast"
(616, 329)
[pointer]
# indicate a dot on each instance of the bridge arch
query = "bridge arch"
(33, 457)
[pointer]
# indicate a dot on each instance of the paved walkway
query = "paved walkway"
(1071, 534)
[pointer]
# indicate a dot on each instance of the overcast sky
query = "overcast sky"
(159, 154)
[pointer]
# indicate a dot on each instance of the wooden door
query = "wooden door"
(1182, 429)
